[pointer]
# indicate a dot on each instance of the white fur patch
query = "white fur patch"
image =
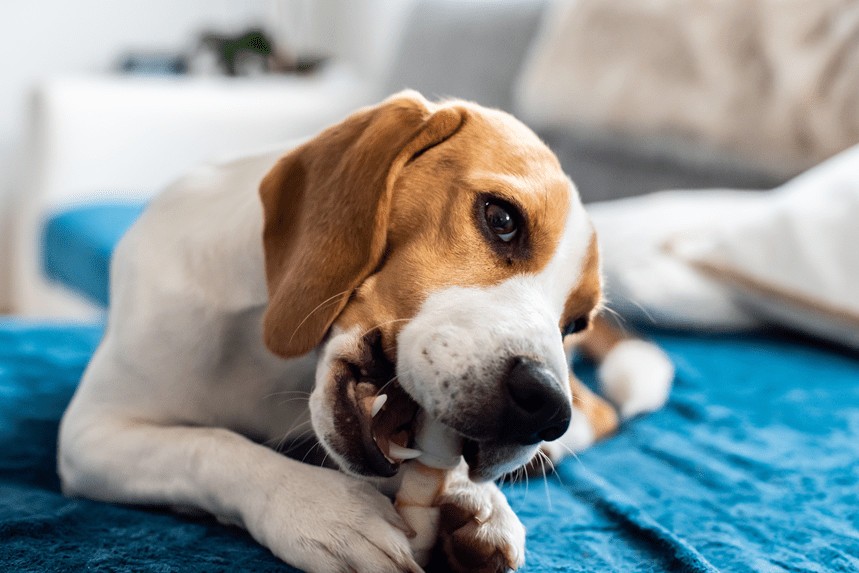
(565, 267)
(636, 376)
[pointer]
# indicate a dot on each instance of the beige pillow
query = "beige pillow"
(770, 81)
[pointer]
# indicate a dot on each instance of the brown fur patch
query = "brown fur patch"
(326, 206)
(602, 416)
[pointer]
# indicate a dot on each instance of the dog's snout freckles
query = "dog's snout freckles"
(454, 357)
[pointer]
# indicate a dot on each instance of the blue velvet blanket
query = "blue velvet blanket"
(752, 466)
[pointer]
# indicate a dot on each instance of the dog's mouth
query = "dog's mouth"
(386, 415)
(376, 413)
(378, 417)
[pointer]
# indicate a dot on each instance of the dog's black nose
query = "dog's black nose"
(536, 409)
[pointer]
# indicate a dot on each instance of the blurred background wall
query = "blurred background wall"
(49, 39)
(53, 37)
(106, 102)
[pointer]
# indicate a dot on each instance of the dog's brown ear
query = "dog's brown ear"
(326, 208)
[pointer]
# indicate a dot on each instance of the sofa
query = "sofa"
(751, 466)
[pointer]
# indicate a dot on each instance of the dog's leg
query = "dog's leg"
(478, 531)
(634, 374)
(314, 518)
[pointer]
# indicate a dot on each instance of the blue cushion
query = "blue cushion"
(78, 242)
(752, 466)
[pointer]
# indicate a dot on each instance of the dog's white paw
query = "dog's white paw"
(478, 531)
(636, 376)
(344, 525)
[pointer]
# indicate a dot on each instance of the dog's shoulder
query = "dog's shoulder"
(201, 236)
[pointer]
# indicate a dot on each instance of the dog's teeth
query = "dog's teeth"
(399, 452)
(377, 404)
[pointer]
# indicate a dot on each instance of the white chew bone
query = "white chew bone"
(423, 480)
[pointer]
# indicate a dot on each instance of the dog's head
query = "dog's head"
(443, 243)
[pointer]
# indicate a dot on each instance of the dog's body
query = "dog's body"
(227, 312)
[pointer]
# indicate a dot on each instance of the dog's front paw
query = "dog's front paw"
(343, 525)
(479, 532)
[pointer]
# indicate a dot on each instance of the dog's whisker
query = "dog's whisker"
(319, 306)
(552, 467)
(289, 433)
(309, 451)
(541, 457)
(299, 398)
(527, 480)
(294, 438)
(385, 385)
(381, 324)
(575, 457)
(568, 448)
(277, 443)
(285, 392)
(622, 322)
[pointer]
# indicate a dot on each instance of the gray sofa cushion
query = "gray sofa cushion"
(476, 50)
(466, 49)
(610, 166)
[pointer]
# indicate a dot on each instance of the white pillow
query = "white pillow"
(794, 259)
(644, 282)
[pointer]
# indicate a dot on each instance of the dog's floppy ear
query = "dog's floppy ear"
(326, 208)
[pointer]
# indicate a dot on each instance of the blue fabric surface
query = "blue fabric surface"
(77, 244)
(752, 466)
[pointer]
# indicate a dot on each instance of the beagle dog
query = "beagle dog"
(433, 253)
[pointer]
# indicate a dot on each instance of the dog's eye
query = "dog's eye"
(501, 221)
(575, 326)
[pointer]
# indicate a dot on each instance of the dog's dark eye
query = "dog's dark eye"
(501, 221)
(575, 326)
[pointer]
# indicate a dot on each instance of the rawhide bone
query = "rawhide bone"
(422, 481)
